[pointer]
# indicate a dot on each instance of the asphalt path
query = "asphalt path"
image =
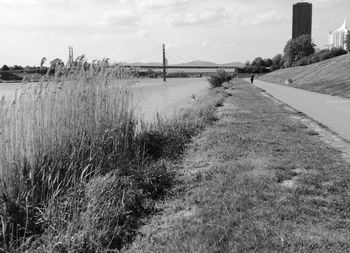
(331, 111)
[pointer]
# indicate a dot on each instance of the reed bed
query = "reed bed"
(59, 133)
(79, 172)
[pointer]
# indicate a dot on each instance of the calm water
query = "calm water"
(8, 89)
(165, 98)
(152, 95)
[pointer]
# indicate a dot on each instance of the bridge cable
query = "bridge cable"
(184, 55)
(177, 57)
(144, 55)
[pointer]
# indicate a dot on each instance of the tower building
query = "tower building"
(337, 38)
(302, 19)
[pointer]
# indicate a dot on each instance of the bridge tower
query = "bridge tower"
(164, 63)
(70, 57)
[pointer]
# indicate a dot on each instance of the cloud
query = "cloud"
(161, 4)
(267, 18)
(206, 44)
(217, 44)
(143, 33)
(328, 3)
(206, 15)
(123, 19)
(35, 2)
(21, 2)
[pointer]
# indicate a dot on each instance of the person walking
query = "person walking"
(251, 78)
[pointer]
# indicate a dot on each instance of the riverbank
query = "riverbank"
(256, 180)
(81, 172)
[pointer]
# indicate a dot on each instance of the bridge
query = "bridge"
(165, 66)
(179, 67)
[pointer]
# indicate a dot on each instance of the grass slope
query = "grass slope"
(255, 181)
(329, 77)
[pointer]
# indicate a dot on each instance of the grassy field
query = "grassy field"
(255, 181)
(328, 77)
(78, 172)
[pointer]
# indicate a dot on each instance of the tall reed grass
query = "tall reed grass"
(78, 171)
(59, 133)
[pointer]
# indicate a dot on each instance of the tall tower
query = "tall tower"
(302, 19)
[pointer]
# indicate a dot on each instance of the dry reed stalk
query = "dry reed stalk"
(53, 133)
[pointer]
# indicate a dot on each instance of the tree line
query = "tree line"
(300, 51)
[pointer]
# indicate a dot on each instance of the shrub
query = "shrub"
(220, 77)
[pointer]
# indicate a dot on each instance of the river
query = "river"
(8, 89)
(152, 96)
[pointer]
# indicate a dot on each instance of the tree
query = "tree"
(17, 67)
(259, 62)
(277, 62)
(5, 68)
(347, 42)
(268, 62)
(298, 48)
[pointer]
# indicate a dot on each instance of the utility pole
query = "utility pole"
(164, 63)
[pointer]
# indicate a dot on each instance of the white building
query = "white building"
(337, 38)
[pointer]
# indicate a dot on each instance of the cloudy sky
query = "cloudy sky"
(133, 30)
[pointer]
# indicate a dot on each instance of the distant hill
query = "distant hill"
(192, 63)
(146, 63)
(206, 63)
(329, 77)
(236, 64)
(196, 63)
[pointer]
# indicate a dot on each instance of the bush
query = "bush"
(220, 77)
(322, 55)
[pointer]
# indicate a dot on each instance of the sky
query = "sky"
(220, 31)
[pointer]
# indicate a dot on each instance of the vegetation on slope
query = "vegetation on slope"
(328, 77)
(255, 181)
(77, 174)
(297, 52)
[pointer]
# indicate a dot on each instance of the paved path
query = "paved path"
(331, 111)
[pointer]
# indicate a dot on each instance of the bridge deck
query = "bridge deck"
(181, 67)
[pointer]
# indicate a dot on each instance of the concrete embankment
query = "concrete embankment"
(257, 180)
